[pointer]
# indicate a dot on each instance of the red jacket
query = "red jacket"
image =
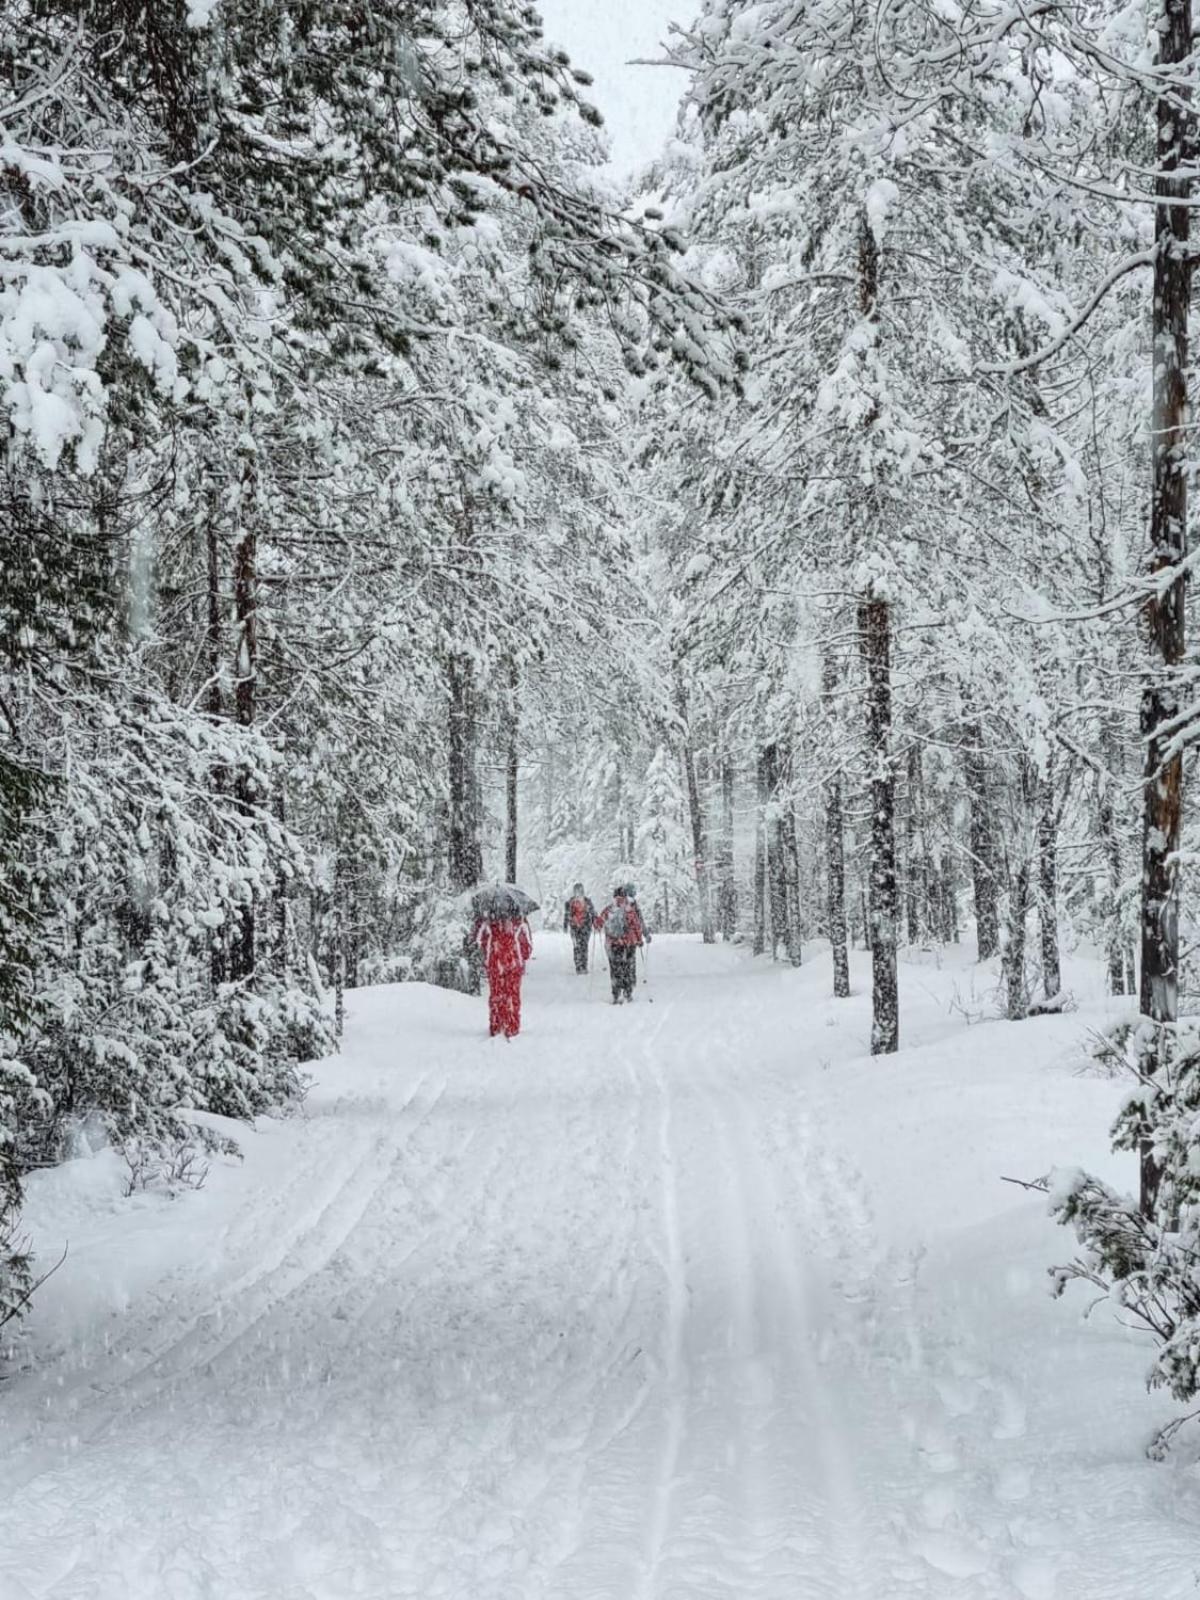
(506, 945)
(634, 930)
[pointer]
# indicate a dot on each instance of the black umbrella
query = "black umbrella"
(496, 900)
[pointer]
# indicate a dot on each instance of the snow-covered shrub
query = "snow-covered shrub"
(18, 1096)
(1148, 1266)
(441, 951)
(247, 1045)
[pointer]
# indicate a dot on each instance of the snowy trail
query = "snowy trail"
(602, 1314)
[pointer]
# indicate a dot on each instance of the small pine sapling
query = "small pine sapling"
(1147, 1263)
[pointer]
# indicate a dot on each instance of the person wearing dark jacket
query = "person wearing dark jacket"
(578, 916)
(624, 934)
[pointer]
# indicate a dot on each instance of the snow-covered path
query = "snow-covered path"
(600, 1314)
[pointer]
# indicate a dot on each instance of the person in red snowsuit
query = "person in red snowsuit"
(507, 945)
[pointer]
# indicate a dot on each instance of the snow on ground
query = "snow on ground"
(688, 1300)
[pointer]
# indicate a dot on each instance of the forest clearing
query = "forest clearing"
(662, 1303)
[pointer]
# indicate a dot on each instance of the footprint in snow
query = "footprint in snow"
(1010, 1423)
(1034, 1578)
(952, 1553)
(1012, 1483)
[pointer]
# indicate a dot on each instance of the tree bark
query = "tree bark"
(218, 939)
(1120, 956)
(914, 881)
(1163, 772)
(835, 851)
(983, 848)
(760, 859)
(1016, 996)
(874, 618)
(777, 896)
(795, 911)
(463, 829)
(699, 843)
(511, 776)
(245, 606)
(1048, 890)
(727, 880)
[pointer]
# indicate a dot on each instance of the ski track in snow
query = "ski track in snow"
(600, 1314)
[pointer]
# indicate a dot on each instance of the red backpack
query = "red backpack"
(578, 913)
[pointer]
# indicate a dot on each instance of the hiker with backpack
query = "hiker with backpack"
(578, 916)
(624, 934)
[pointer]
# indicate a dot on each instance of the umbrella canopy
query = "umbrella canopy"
(494, 900)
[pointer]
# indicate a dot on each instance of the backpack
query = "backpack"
(578, 913)
(616, 924)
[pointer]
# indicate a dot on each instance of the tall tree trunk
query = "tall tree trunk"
(1016, 994)
(777, 901)
(983, 847)
(339, 940)
(916, 880)
(213, 647)
(1048, 889)
(1120, 956)
(760, 858)
(795, 911)
(726, 878)
(875, 634)
(511, 775)
(699, 842)
(463, 829)
(1163, 797)
(245, 608)
(835, 850)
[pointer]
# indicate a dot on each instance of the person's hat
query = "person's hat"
(577, 888)
(620, 889)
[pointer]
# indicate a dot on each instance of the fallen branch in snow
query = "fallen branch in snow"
(1041, 1185)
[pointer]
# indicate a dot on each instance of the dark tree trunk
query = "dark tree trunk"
(1048, 890)
(1120, 956)
(795, 911)
(983, 848)
(835, 850)
(760, 859)
(245, 610)
(1016, 994)
(463, 827)
(213, 646)
(511, 775)
(1163, 796)
(727, 880)
(916, 889)
(948, 901)
(282, 962)
(777, 896)
(339, 944)
(875, 633)
(699, 843)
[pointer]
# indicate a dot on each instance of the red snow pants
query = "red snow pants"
(504, 1003)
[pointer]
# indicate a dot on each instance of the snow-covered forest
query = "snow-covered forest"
(399, 498)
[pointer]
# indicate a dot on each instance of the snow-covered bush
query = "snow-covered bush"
(19, 1097)
(1148, 1265)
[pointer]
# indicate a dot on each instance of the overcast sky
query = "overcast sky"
(638, 103)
